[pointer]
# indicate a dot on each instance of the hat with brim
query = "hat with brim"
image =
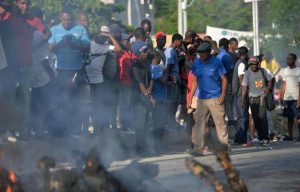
(253, 61)
(204, 47)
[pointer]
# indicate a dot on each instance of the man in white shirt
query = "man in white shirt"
(242, 110)
(290, 94)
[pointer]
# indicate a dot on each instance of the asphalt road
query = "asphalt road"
(264, 169)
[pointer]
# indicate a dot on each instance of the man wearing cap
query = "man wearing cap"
(258, 83)
(125, 60)
(141, 92)
(209, 76)
(100, 86)
(161, 40)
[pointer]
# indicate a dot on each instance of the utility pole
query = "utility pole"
(129, 17)
(255, 25)
(180, 24)
(184, 12)
(182, 15)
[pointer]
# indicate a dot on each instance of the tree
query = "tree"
(98, 12)
(234, 14)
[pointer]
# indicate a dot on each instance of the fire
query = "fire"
(12, 177)
(8, 189)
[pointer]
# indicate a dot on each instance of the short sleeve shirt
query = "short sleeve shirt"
(241, 69)
(209, 77)
(255, 82)
(69, 58)
(95, 69)
(172, 59)
(159, 89)
(292, 80)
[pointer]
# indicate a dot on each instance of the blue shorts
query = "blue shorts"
(290, 109)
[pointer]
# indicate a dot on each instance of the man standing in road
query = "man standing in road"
(68, 42)
(209, 76)
(290, 94)
(258, 83)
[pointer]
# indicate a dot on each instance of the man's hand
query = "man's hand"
(266, 91)
(221, 99)
(174, 79)
(189, 104)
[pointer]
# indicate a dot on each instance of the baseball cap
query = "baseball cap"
(253, 60)
(159, 35)
(138, 47)
(204, 47)
(115, 28)
(125, 36)
(105, 29)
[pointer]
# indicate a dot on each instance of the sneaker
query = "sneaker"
(255, 141)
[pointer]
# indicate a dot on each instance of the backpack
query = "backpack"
(110, 69)
(270, 102)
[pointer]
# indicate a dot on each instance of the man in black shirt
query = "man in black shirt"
(141, 92)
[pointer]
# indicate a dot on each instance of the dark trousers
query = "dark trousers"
(101, 112)
(259, 114)
(242, 121)
(159, 122)
(7, 99)
(229, 103)
(41, 103)
(69, 101)
(190, 122)
(141, 120)
(173, 98)
(125, 107)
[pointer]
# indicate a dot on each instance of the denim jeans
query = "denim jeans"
(125, 107)
(159, 117)
(243, 121)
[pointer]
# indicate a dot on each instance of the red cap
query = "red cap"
(159, 35)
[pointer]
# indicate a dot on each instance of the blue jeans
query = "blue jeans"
(243, 120)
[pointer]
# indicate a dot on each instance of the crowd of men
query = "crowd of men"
(55, 80)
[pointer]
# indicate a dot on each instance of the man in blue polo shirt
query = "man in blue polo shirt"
(209, 76)
(68, 42)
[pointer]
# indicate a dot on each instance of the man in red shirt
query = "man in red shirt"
(125, 59)
(24, 39)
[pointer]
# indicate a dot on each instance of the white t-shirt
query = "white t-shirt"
(292, 79)
(241, 69)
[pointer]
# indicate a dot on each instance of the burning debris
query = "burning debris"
(207, 174)
(92, 176)
(9, 181)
